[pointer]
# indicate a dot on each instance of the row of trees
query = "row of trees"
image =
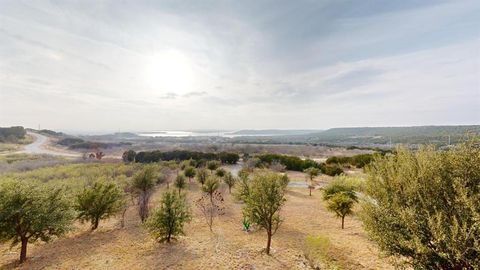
(294, 163)
(179, 155)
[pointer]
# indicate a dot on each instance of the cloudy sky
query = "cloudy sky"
(105, 66)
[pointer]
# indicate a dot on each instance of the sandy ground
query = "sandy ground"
(228, 247)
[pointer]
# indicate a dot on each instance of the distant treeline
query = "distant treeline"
(12, 134)
(295, 163)
(77, 143)
(179, 155)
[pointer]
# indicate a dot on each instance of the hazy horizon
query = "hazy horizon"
(106, 66)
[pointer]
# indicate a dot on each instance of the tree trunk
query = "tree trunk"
(310, 190)
(23, 251)
(269, 242)
(95, 224)
(343, 219)
(229, 190)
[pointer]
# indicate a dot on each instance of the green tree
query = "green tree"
(341, 204)
(230, 180)
(129, 156)
(424, 205)
(243, 186)
(31, 212)
(263, 204)
(212, 165)
(180, 182)
(98, 201)
(312, 172)
(220, 172)
(144, 184)
(168, 220)
(190, 172)
(210, 186)
(343, 184)
(202, 175)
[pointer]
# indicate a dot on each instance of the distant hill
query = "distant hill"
(439, 135)
(273, 132)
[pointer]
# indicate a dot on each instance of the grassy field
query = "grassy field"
(228, 247)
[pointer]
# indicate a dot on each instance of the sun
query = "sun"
(170, 72)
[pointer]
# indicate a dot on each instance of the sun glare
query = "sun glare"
(170, 72)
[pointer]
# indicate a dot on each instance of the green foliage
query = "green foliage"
(213, 165)
(189, 172)
(230, 180)
(425, 206)
(12, 134)
(178, 155)
(168, 220)
(358, 161)
(144, 184)
(341, 204)
(243, 187)
(129, 156)
(99, 201)
(293, 163)
(31, 212)
(347, 185)
(331, 170)
(202, 175)
(180, 182)
(220, 172)
(262, 205)
(312, 172)
(211, 185)
(246, 224)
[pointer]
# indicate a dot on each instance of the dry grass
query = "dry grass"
(111, 247)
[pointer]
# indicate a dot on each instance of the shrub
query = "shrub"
(99, 201)
(220, 172)
(180, 182)
(168, 220)
(318, 251)
(213, 165)
(30, 212)
(202, 175)
(129, 156)
(424, 205)
(189, 172)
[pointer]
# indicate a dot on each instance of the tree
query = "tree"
(189, 172)
(424, 206)
(168, 220)
(343, 184)
(99, 201)
(31, 212)
(263, 204)
(341, 204)
(312, 172)
(211, 206)
(212, 165)
(129, 156)
(220, 172)
(202, 175)
(144, 184)
(210, 186)
(230, 180)
(180, 182)
(243, 189)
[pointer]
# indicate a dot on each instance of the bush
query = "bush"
(318, 251)
(99, 201)
(168, 220)
(143, 185)
(180, 155)
(292, 163)
(425, 206)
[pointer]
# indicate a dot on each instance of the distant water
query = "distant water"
(180, 133)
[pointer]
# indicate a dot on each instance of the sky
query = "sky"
(109, 66)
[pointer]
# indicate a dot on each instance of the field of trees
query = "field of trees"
(201, 215)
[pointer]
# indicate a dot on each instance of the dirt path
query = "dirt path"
(39, 147)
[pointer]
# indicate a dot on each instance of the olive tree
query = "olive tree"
(167, 221)
(341, 204)
(311, 172)
(230, 180)
(180, 182)
(31, 212)
(264, 201)
(99, 201)
(424, 206)
(202, 175)
(144, 184)
(189, 172)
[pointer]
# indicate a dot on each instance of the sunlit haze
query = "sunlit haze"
(103, 66)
